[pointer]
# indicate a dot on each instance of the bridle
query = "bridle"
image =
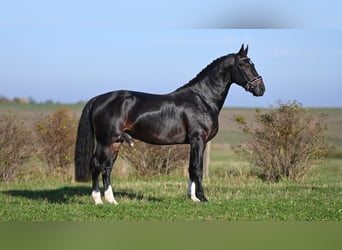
(249, 86)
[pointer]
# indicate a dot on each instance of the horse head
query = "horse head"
(245, 74)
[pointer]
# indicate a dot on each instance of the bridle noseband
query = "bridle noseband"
(249, 86)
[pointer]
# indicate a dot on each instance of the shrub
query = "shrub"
(152, 160)
(16, 146)
(57, 136)
(286, 141)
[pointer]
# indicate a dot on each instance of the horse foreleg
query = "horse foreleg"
(195, 189)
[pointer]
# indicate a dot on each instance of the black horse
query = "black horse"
(189, 115)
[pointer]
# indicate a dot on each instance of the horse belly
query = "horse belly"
(156, 131)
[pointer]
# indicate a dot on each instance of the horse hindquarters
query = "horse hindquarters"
(108, 121)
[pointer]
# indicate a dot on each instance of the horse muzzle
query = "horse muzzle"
(256, 86)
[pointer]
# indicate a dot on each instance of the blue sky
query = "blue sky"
(72, 50)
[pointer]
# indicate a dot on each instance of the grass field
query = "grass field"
(233, 194)
(163, 199)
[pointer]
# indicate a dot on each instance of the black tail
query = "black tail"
(84, 144)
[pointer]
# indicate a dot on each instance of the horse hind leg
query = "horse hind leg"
(108, 193)
(102, 162)
(114, 150)
(96, 170)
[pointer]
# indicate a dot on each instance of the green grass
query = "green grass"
(164, 199)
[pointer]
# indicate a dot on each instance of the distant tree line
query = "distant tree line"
(22, 100)
(30, 100)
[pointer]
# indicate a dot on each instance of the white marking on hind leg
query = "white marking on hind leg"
(109, 196)
(192, 191)
(97, 197)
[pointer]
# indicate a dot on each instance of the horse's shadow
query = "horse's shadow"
(67, 195)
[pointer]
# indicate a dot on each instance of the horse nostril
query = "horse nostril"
(260, 89)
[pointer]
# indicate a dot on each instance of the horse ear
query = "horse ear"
(246, 50)
(242, 50)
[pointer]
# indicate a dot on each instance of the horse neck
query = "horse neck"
(213, 90)
(211, 85)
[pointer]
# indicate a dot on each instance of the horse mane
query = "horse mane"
(205, 72)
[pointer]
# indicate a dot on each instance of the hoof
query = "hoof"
(194, 198)
(96, 195)
(203, 199)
